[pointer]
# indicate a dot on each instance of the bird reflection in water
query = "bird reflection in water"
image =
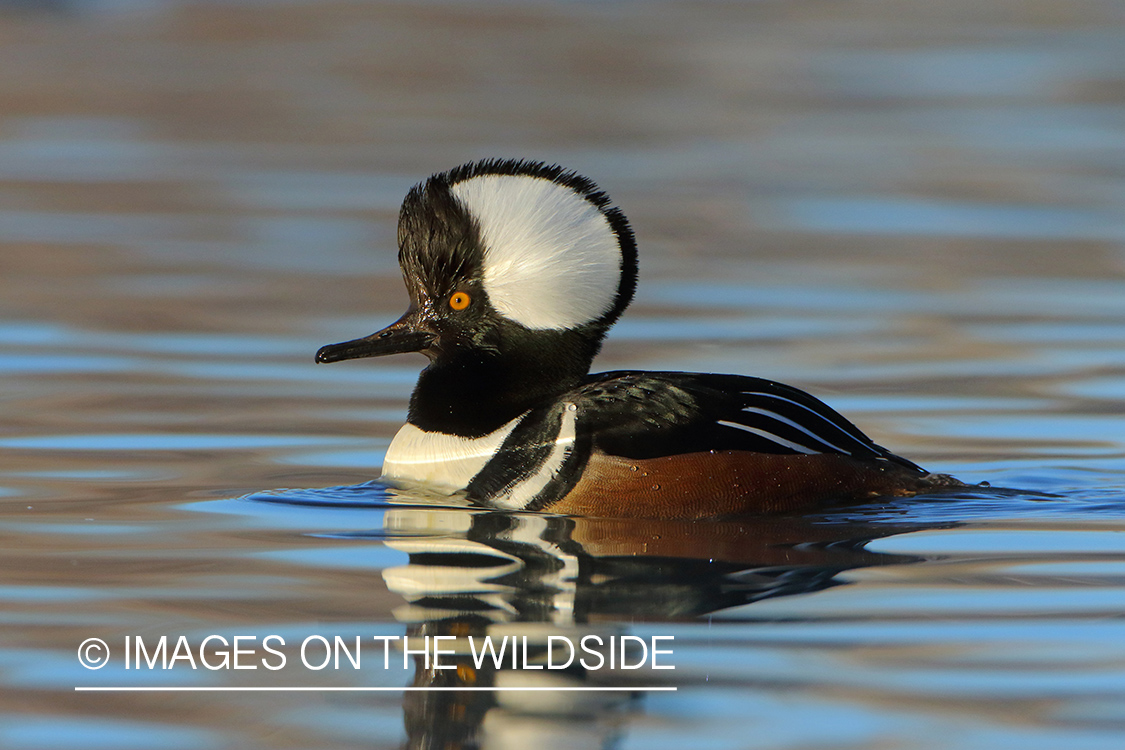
(525, 576)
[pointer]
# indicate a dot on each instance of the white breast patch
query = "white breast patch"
(440, 460)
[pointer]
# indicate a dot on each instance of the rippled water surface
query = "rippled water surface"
(914, 211)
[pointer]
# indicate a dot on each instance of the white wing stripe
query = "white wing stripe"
(791, 423)
(770, 436)
(847, 430)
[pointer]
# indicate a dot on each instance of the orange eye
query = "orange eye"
(459, 300)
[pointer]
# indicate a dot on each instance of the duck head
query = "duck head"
(515, 270)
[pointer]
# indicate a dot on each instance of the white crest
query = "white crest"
(551, 258)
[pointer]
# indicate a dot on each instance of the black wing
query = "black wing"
(650, 414)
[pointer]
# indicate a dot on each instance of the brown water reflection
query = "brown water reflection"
(911, 210)
(565, 585)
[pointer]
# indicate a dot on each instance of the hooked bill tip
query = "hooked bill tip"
(325, 354)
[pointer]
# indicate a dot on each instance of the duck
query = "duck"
(515, 271)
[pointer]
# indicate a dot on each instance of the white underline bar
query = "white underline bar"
(289, 689)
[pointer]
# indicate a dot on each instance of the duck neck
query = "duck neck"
(472, 393)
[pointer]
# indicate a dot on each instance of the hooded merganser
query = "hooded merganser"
(515, 271)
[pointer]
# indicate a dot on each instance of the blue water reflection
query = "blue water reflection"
(912, 210)
(896, 215)
(99, 733)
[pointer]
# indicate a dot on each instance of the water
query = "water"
(912, 211)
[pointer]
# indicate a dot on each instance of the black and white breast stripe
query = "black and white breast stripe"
(527, 463)
(538, 462)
